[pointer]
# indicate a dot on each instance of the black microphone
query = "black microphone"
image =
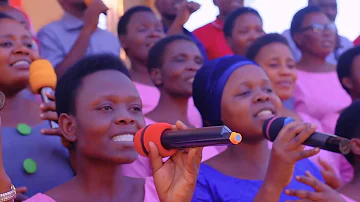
(169, 141)
(272, 127)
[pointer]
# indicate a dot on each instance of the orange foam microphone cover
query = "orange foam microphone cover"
(152, 133)
(42, 74)
(87, 2)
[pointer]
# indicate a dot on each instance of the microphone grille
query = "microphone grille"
(41, 74)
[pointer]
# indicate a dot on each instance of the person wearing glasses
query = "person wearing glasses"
(329, 7)
(318, 94)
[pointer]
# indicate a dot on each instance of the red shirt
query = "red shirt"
(357, 41)
(213, 39)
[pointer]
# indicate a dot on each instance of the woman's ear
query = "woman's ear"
(156, 76)
(346, 81)
(298, 39)
(67, 126)
(123, 42)
(355, 146)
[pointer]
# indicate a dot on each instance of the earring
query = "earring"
(2, 100)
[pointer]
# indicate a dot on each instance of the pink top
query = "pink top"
(347, 199)
(318, 99)
(150, 97)
(141, 167)
(150, 194)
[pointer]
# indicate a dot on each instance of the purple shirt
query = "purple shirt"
(57, 38)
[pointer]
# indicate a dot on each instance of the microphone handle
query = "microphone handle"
(45, 99)
(329, 143)
(199, 137)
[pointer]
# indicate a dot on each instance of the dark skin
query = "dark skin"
(353, 82)
(226, 7)
(246, 93)
(118, 112)
(16, 14)
(329, 7)
(315, 46)
(278, 63)
(90, 16)
(143, 31)
(247, 28)
(352, 188)
(175, 13)
(174, 78)
(16, 45)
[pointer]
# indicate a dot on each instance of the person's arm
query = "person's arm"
(183, 15)
(77, 51)
(322, 191)
(5, 182)
(79, 48)
(268, 192)
(287, 149)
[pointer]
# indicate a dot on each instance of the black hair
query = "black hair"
(348, 125)
(4, 2)
(70, 82)
(299, 17)
(265, 40)
(125, 19)
(233, 16)
(345, 64)
(5, 16)
(156, 53)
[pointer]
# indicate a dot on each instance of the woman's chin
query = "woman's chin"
(126, 157)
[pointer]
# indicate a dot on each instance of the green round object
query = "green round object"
(24, 129)
(30, 166)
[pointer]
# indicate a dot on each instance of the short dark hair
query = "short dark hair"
(70, 82)
(345, 64)
(5, 16)
(299, 17)
(348, 125)
(233, 16)
(125, 19)
(156, 53)
(265, 40)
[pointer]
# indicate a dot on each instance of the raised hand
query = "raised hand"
(323, 192)
(5, 181)
(329, 174)
(91, 16)
(185, 9)
(287, 149)
(175, 180)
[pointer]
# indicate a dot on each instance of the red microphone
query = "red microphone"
(169, 141)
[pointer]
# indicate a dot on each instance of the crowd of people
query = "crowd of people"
(228, 72)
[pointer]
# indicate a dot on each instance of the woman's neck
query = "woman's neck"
(100, 180)
(170, 108)
(313, 63)
(356, 178)
(16, 104)
(221, 18)
(251, 157)
(139, 72)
